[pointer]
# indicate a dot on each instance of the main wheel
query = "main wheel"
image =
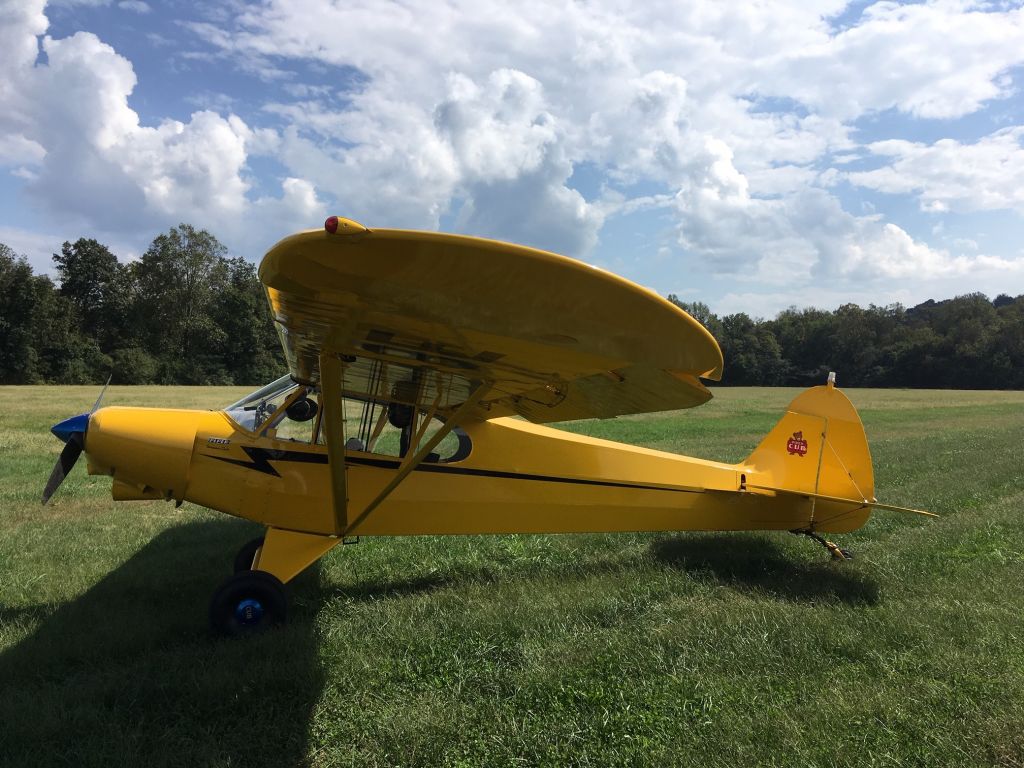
(248, 602)
(247, 555)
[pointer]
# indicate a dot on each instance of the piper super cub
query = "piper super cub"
(421, 370)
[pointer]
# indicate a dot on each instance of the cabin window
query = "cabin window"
(283, 410)
(298, 420)
(388, 429)
(252, 411)
(391, 405)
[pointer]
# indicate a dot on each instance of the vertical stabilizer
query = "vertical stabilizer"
(817, 448)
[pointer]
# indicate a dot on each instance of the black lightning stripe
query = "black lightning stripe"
(261, 458)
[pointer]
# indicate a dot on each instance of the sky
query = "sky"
(749, 155)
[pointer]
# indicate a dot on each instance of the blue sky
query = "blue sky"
(749, 156)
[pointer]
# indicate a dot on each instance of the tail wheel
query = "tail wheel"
(247, 603)
(247, 555)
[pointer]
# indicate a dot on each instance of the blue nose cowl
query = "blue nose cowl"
(65, 429)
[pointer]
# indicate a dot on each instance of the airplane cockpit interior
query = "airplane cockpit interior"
(383, 425)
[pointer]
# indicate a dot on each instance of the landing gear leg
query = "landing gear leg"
(837, 552)
(247, 555)
(254, 598)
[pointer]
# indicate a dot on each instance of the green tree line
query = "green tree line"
(967, 342)
(185, 313)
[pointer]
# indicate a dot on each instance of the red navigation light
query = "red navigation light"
(340, 226)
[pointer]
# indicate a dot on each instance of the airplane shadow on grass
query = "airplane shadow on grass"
(755, 563)
(748, 562)
(127, 673)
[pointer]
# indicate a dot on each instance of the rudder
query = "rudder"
(818, 448)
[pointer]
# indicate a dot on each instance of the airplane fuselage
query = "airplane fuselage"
(518, 478)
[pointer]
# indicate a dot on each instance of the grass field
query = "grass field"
(598, 650)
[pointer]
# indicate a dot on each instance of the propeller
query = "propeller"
(72, 450)
(99, 399)
(72, 432)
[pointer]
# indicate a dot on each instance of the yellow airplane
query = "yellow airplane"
(422, 368)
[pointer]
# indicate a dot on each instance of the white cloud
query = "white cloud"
(101, 162)
(399, 171)
(89, 158)
(499, 130)
(21, 23)
(938, 59)
(511, 160)
(15, 149)
(533, 209)
(261, 227)
(647, 93)
(948, 175)
(990, 281)
(137, 6)
(35, 246)
(801, 234)
(726, 116)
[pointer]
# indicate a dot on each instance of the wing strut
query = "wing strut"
(333, 409)
(411, 462)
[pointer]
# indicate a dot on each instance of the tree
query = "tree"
(751, 352)
(39, 337)
(1002, 300)
(177, 282)
(18, 361)
(1007, 365)
(64, 353)
(250, 349)
(806, 339)
(186, 314)
(700, 312)
(88, 274)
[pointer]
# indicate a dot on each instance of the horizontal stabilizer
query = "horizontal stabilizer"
(840, 499)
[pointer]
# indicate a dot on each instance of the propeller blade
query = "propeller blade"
(102, 393)
(72, 450)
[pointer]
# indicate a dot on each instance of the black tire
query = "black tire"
(248, 603)
(246, 555)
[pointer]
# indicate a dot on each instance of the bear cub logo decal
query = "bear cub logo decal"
(796, 445)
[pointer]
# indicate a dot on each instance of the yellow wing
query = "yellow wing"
(557, 338)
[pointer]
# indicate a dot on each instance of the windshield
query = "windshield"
(252, 411)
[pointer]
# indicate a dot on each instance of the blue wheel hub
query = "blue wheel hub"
(249, 612)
